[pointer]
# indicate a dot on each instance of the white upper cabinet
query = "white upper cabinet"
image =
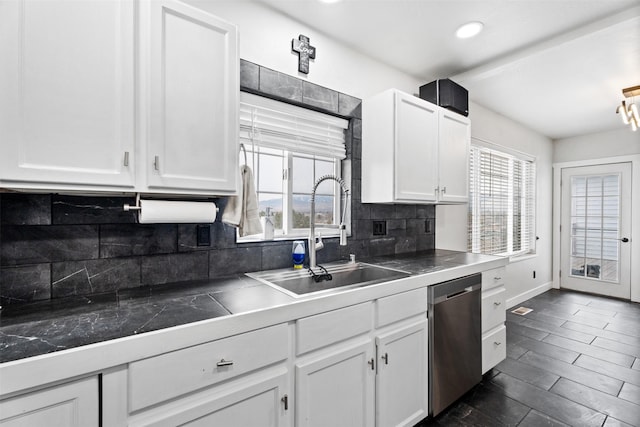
(416, 149)
(67, 85)
(193, 110)
(454, 137)
(118, 95)
(413, 151)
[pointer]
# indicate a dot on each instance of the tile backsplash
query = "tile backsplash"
(53, 246)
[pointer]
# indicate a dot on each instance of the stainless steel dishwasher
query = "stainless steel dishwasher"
(455, 342)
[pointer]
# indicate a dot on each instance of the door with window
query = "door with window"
(595, 229)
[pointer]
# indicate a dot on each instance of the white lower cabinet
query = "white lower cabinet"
(259, 400)
(494, 331)
(336, 388)
(242, 380)
(402, 381)
(74, 404)
(375, 377)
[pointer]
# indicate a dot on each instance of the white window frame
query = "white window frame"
(308, 144)
(527, 201)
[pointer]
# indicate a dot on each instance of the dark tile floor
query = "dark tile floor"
(574, 360)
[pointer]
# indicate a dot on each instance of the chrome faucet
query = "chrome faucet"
(312, 220)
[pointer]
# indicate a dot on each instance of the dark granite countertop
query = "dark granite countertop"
(44, 327)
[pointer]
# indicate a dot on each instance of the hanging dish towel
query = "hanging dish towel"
(242, 210)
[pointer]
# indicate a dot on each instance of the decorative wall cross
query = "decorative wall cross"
(305, 51)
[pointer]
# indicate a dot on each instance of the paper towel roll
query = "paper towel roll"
(170, 212)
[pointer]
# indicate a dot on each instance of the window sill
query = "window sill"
(290, 237)
(518, 258)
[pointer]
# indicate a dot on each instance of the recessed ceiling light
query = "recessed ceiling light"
(470, 29)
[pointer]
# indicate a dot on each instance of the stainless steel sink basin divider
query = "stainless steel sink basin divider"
(297, 283)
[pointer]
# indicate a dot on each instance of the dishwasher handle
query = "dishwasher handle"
(452, 289)
(459, 293)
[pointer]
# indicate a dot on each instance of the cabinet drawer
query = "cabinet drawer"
(494, 348)
(493, 278)
(493, 309)
(400, 306)
(173, 374)
(327, 328)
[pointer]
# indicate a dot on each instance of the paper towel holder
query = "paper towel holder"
(127, 207)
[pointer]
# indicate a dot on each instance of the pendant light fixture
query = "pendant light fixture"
(629, 112)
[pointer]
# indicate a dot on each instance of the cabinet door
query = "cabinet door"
(67, 405)
(337, 389)
(67, 85)
(453, 151)
(416, 150)
(194, 90)
(402, 382)
(494, 348)
(250, 402)
(493, 308)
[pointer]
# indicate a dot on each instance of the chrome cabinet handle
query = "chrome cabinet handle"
(223, 362)
(497, 343)
(624, 240)
(285, 400)
(372, 363)
(126, 158)
(385, 358)
(156, 163)
(497, 303)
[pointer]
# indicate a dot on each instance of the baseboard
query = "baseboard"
(529, 294)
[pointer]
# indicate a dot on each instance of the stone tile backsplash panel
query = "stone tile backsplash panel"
(54, 246)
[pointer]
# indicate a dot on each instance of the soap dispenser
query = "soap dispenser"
(297, 254)
(267, 225)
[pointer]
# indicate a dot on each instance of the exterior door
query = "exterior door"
(596, 229)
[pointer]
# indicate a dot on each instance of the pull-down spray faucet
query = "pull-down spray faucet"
(312, 220)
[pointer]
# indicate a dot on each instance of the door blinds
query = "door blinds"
(269, 123)
(501, 203)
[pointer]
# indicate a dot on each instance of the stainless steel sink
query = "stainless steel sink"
(297, 283)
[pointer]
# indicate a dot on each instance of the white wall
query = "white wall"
(451, 221)
(265, 39)
(618, 142)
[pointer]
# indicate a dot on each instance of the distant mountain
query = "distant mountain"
(301, 204)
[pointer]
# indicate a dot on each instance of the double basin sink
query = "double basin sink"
(299, 283)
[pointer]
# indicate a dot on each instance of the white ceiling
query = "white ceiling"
(557, 66)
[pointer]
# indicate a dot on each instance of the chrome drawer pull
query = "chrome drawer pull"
(497, 343)
(497, 303)
(497, 278)
(223, 362)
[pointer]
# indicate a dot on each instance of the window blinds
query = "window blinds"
(501, 203)
(269, 123)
